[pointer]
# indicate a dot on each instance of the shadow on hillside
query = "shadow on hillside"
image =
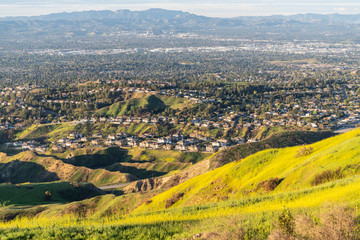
(38, 139)
(99, 160)
(140, 173)
(111, 159)
(277, 140)
(20, 172)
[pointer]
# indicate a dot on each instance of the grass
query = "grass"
(33, 193)
(94, 157)
(147, 103)
(175, 102)
(167, 156)
(228, 191)
(240, 179)
(301, 61)
(35, 168)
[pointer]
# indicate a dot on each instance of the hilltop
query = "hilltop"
(143, 104)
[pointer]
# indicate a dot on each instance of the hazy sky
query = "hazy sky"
(214, 8)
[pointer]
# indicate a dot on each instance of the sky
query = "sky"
(212, 8)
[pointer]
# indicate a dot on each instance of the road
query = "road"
(345, 129)
(114, 186)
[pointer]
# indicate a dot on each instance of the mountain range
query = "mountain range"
(161, 21)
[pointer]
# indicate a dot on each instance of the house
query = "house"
(132, 143)
(40, 149)
(223, 148)
(109, 142)
(132, 138)
(177, 137)
(75, 146)
(238, 140)
(96, 142)
(180, 147)
(193, 148)
(211, 148)
(17, 144)
(224, 142)
(121, 143)
(121, 135)
(75, 135)
(148, 135)
(111, 137)
(85, 139)
(164, 140)
(168, 147)
(57, 148)
(144, 144)
(154, 145)
(97, 135)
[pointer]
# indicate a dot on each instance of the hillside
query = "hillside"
(277, 140)
(93, 157)
(246, 196)
(30, 167)
(33, 193)
(81, 24)
(143, 104)
(300, 174)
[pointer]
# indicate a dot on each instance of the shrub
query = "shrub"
(47, 196)
(286, 222)
(327, 176)
(171, 201)
(337, 222)
(304, 151)
(270, 184)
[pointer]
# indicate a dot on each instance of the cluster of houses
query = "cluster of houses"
(177, 142)
(31, 145)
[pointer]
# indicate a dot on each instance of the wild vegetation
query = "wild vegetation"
(167, 125)
(256, 188)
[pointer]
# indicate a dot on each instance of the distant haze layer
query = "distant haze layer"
(212, 8)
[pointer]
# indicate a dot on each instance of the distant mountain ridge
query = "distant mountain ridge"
(332, 27)
(153, 13)
(157, 14)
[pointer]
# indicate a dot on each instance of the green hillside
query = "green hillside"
(150, 103)
(34, 193)
(29, 167)
(93, 157)
(258, 189)
(175, 102)
(295, 171)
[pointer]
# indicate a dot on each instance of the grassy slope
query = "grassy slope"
(239, 180)
(122, 108)
(101, 206)
(50, 132)
(61, 192)
(175, 103)
(148, 103)
(166, 156)
(93, 157)
(64, 172)
(233, 188)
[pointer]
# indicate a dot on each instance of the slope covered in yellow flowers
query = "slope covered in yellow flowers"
(302, 171)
